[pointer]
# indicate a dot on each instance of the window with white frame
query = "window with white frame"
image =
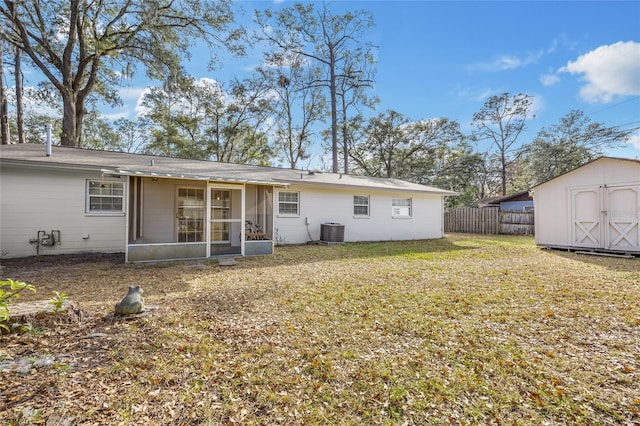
(289, 203)
(401, 207)
(104, 197)
(361, 205)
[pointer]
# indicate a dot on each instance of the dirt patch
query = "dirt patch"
(99, 279)
(61, 259)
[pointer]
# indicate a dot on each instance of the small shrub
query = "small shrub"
(58, 300)
(9, 289)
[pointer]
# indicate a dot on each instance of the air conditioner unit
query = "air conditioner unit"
(401, 211)
(332, 232)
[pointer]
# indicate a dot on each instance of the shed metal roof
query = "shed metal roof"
(621, 159)
(169, 167)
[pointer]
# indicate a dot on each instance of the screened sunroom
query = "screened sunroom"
(171, 218)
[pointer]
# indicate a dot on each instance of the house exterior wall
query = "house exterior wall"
(251, 206)
(52, 197)
(552, 200)
(33, 199)
(323, 205)
(158, 217)
(159, 204)
(518, 206)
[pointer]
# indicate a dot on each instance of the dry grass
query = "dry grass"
(464, 330)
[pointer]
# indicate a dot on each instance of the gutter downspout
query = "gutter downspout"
(48, 141)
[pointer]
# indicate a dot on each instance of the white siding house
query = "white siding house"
(375, 219)
(160, 208)
(52, 199)
(596, 207)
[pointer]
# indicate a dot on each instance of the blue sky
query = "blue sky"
(444, 59)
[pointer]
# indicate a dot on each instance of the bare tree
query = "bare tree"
(325, 38)
(352, 95)
(295, 104)
(501, 120)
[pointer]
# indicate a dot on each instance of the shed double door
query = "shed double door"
(606, 217)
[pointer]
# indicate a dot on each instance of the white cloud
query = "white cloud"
(141, 109)
(537, 106)
(561, 42)
(131, 93)
(608, 71)
(634, 141)
(549, 80)
(116, 116)
(507, 62)
(479, 95)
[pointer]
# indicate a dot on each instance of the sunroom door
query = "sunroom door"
(225, 220)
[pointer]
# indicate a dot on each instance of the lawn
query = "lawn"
(463, 330)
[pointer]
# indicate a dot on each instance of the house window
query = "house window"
(289, 203)
(104, 197)
(190, 213)
(401, 207)
(361, 205)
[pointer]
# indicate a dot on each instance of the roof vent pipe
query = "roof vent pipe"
(48, 141)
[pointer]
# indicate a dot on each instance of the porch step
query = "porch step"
(227, 261)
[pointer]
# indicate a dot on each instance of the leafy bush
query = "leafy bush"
(9, 289)
(58, 300)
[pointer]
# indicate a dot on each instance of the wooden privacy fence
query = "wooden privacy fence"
(512, 222)
(488, 220)
(474, 221)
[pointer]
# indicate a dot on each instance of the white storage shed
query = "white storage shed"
(594, 207)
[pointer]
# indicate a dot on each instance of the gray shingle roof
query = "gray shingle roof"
(150, 165)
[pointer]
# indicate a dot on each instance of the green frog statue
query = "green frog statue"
(133, 303)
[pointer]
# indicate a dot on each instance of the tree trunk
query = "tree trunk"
(4, 110)
(293, 159)
(68, 136)
(19, 97)
(345, 140)
(334, 114)
(503, 174)
(81, 112)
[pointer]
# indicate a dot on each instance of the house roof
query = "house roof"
(633, 160)
(121, 163)
(520, 196)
